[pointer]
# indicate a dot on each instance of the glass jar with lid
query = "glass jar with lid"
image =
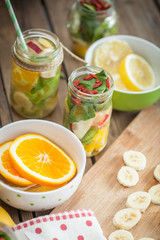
(90, 20)
(88, 107)
(35, 73)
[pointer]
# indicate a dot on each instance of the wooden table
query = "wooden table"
(138, 18)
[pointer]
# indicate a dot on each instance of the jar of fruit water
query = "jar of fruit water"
(6, 232)
(88, 107)
(35, 73)
(90, 20)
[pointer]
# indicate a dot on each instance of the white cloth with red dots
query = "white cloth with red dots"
(71, 225)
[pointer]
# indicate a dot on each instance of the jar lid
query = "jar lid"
(39, 67)
(38, 63)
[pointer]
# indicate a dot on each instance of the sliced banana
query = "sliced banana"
(134, 159)
(157, 173)
(126, 218)
(146, 238)
(155, 194)
(22, 100)
(120, 235)
(139, 200)
(49, 74)
(127, 176)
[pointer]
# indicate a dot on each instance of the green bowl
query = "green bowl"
(130, 100)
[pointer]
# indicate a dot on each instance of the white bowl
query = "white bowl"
(65, 139)
(130, 100)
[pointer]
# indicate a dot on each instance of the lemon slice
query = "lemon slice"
(118, 83)
(110, 54)
(136, 73)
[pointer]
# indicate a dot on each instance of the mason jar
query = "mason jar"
(6, 232)
(87, 108)
(85, 26)
(35, 73)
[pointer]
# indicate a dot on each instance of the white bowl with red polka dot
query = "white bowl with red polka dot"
(65, 139)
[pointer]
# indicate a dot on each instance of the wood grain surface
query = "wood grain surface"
(138, 18)
(100, 190)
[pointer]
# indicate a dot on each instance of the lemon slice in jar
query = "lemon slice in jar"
(110, 54)
(136, 73)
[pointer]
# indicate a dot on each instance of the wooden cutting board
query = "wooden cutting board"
(100, 190)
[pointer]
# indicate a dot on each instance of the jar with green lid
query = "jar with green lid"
(88, 107)
(6, 232)
(90, 20)
(35, 73)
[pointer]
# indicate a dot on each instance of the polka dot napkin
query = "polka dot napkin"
(72, 225)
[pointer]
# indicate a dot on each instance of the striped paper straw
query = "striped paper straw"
(16, 25)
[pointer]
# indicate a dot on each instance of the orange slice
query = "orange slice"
(41, 161)
(7, 169)
(23, 79)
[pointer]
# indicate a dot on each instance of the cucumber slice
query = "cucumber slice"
(88, 137)
(81, 112)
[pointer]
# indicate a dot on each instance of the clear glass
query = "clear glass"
(35, 74)
(88, 115)
(6, 232)
(86, 26)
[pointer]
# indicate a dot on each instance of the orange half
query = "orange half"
(7, 169)
(41, 161)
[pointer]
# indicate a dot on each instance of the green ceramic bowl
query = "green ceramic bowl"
(129, 100)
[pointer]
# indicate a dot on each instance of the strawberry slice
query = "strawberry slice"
(34, 47)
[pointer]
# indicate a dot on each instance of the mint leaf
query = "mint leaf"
(88, 84)
(92, 8)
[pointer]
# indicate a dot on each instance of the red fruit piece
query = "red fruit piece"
(88, 77)
(34, 47)
(107, 83)
(97, 84)
(101, 119)
(76, 101)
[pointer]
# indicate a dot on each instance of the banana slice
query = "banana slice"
(134, 159)
(22, 100)
(139, 200)
(155, 194)
(127, 176)
(120, 235)
(126, 218)
(157, 173)
(146, 238)
(49, 74)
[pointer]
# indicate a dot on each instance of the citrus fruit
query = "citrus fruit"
(41, 161)
(118, 83)
(7, 169)
(5, 217)
(23, 79)
(136, 73)
(110, 54)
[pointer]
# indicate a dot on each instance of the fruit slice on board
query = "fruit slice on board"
(155, 194)
(157, 172)
(136, 73)
(134, 159)
(139, 200)
(7, 169)
(126, 218)
(120, 235)
(110, 54)
(41, 161)
(127, 176)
